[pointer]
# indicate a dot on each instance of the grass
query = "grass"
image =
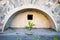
(30, 25)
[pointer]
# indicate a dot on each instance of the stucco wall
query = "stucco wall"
(39, 19)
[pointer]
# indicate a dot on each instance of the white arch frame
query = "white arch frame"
(48, 11)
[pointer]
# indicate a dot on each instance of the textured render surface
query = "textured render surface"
(50, 5)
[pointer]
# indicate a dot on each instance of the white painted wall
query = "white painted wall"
(40, 20)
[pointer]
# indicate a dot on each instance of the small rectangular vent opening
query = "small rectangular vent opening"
(30, 17)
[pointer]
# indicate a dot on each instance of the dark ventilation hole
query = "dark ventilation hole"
(30, 17)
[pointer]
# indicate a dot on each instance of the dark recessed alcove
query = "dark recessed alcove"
(29, 17)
